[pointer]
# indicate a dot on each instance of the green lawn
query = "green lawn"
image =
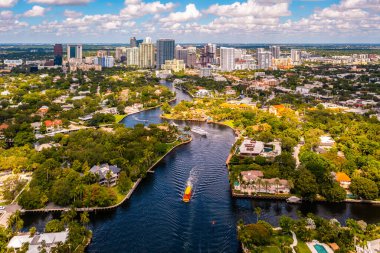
(229, 123)
(119, 117)
(271, 249)
(302, 248)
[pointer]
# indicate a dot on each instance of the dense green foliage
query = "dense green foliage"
(62, 174)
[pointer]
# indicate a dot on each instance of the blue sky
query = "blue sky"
(224, 21)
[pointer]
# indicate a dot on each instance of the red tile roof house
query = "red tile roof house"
(54, 125)
(3, 127)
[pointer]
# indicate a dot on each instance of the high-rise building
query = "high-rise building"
(138, 42)
(58, 54)
(276, 51)
(119, 53)
(227, 58)
(74, 52)
(181, 53)
(295, 55)
(191, 59)
(146, 52)
(101, 53)
(208, 55)
(133, 42)
(132, 55)
(105, 61)
(258, 51)
(165, 51)
(174, 65)
(264, 59)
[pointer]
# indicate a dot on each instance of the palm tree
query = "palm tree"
(277, 182)
(259, 181)
(258, 212)
(15, 223)
(266, 185)
(84, 218)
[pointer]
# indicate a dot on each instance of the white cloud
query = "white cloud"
(36, 11)
(132, 1)
(9, 23)
(136, 8)
(350, 17)
(72, 14)
(7, 3)
(257, 8)
(61, 2)
(190, 13)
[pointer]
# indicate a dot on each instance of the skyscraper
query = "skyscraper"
(181, 53)
(105, 61)
(58, 54)
(132, 55)
(119, 53)
(208, 55)
(295, 55)
(133, 42)
(146, 52)
(165, 51)
(227, 58)
(276, 51)
(74, 52)
(264, 59)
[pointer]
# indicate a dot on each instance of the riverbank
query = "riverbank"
(147, 109)
(128, 195)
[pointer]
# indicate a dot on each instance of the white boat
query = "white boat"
(174, 124)
(199, 131)
(293, 199)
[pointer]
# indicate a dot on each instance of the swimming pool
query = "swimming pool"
(268, 149)
(320, 248)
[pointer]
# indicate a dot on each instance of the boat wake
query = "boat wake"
(193, 177)
(140, 120)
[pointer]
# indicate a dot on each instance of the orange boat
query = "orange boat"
(187, 194)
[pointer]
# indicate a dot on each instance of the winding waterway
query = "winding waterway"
(156, 220)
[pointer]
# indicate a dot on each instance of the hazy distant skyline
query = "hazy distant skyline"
(223, 21)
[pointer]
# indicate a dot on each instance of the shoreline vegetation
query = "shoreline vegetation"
(302, 234)
(222, 113)
(122, 117)
(125, 198)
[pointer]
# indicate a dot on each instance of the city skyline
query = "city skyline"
(251, 21)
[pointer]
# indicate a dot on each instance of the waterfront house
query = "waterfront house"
(251, 175)
(108, 174)
(35, 242)
(258, 148)
(253, 181)
(343, 179)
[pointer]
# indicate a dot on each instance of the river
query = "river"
(156, 220)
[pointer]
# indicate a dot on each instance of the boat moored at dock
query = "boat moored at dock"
(293, 200)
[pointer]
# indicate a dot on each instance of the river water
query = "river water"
(156, 220)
